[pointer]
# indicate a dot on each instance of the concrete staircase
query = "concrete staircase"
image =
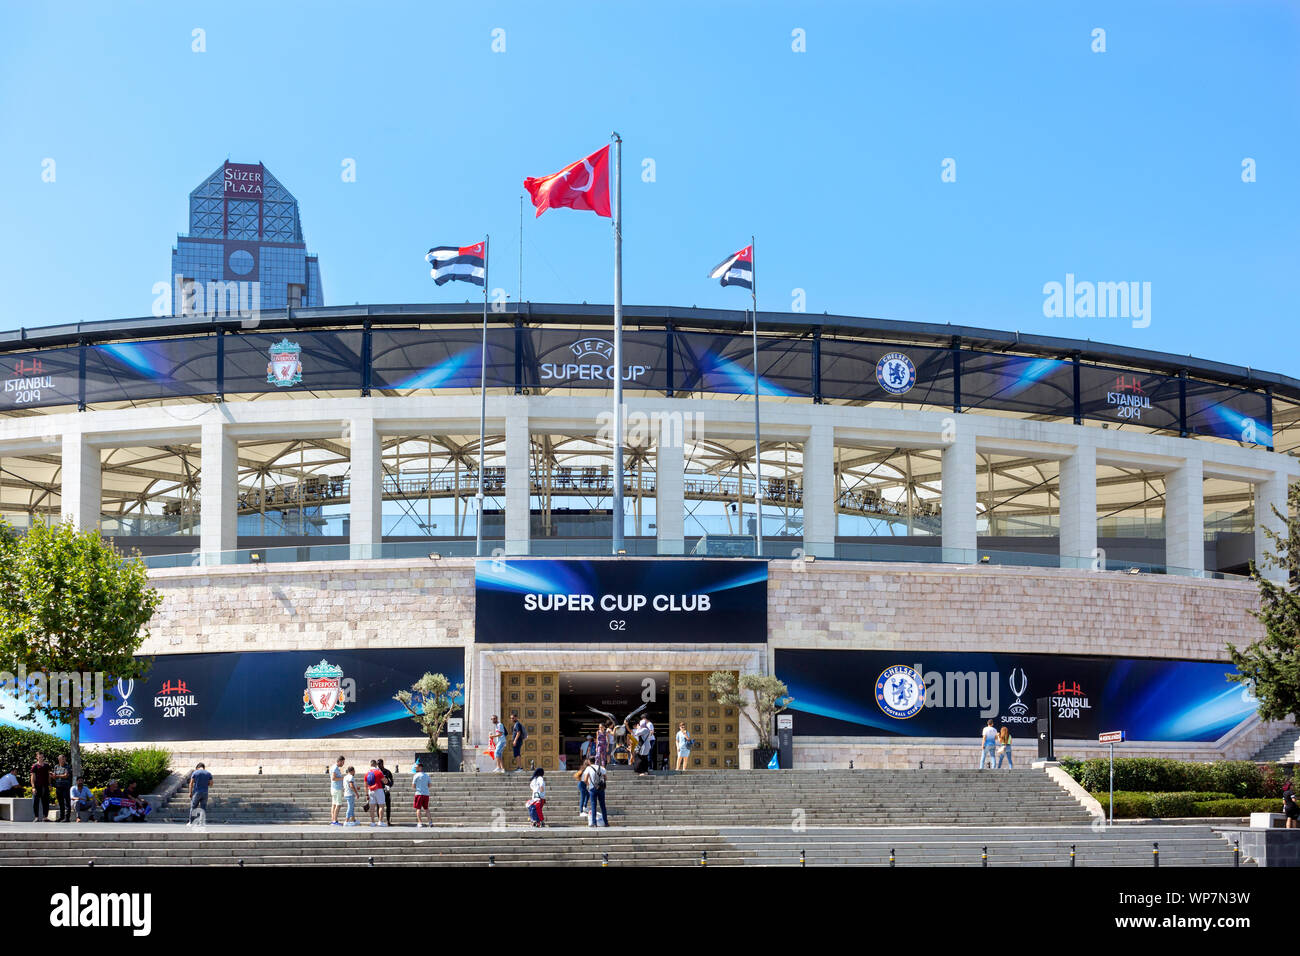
(1006, 846)
(694, 799)
(1282, 747)
(154, 844)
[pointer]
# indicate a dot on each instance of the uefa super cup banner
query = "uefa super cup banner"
(620, 601)
(907, 693)
(667, 362)
(270, 695)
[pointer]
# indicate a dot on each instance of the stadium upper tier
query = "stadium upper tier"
(538, 348)
(358, 427)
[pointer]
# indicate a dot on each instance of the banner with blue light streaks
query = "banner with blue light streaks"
(835, 695)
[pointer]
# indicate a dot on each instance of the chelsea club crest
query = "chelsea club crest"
(900, 692)
(323, 697)
(896, 373)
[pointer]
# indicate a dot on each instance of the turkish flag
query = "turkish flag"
(580, 185)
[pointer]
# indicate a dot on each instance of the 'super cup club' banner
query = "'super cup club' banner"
(620, 601)
(271, 695)
(907, 693)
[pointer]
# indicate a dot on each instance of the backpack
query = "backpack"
(599, 782)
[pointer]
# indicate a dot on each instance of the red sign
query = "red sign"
(243, 181)
(1111, 737)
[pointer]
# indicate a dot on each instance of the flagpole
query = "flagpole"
(758, 447)
(617, 508)
(482, 407)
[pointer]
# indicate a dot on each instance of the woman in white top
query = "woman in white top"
(684, 743)
(538, 787)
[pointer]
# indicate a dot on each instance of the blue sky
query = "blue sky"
(1117, 166)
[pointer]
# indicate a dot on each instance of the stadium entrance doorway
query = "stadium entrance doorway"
(555, 708)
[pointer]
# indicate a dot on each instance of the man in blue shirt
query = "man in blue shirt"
(420, 780)
(83, 801)
(200, 780)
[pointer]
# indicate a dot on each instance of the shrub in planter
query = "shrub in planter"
(1168, 805)
(1074, 767)
(1127, 803)
(1236, 808)
(1241, 778)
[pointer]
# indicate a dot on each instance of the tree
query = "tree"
(1271, 665)
(73, 612)
(430, 701)
(769, 697)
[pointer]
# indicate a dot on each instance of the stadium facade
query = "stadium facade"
(1008, 517)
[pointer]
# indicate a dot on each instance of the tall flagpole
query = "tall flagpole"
(618, 344)
(758, 448)
(482, 407)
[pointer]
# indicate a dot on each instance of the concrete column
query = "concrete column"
(819, 492)
(1270, 494)
(1185, 517)
(82, 482)
(958, 475)
(218, 493)
(670, 486)
(518, 522)
(1078, 496)
(366, 492)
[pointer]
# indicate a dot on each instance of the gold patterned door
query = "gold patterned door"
(714, 728)
(535, 697)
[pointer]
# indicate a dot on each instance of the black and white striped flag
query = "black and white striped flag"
(458, 263)
(736, 269)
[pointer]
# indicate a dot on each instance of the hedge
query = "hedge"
(1163, 806)
(1237, 778)
(146, 767)
(1130, 803)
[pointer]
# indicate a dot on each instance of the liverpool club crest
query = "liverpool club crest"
(323, 697)
(285, 367)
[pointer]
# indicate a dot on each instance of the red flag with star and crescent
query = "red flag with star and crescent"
(580, 185)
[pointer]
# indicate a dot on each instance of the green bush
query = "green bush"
(18, 747)
(1074, 767)
(1239, 778)
(1236, 808)
(147, 767)
(1131, 804)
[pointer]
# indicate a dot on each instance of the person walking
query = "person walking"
(388, 792)
(684, 744)
(200, 781)
(988, 740)
(350, 795)
(1290, 808)
(538, 800)
(83, 801)
(642, 739)
(1004, 748)
(61, 773)
(40, 780)
(375, 794)
(337, 774)
(596, 777)
(517, 735)
(603, 736)
(649, 729)
(498, 740)
(420, 781)
(583, 795)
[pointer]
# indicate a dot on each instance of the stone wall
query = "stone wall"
(822, 604)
